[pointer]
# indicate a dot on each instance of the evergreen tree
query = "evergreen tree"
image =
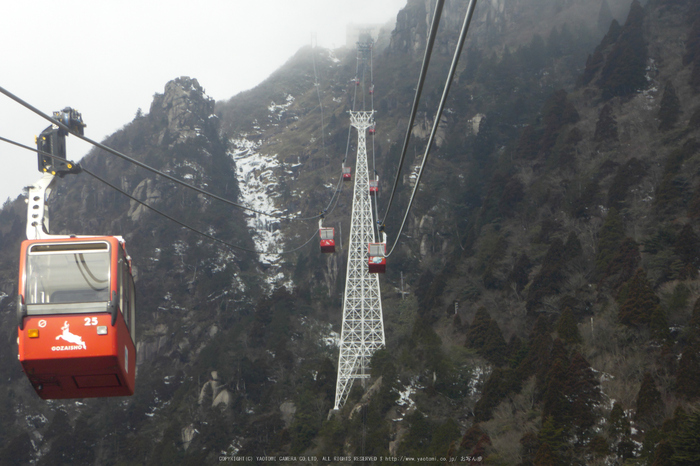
(694, 121)
(550, 277)
(528, 144)
(555, 405)
(618, 424)
(686, 441)
(567, 328)
(557, 112)
(536, 362)
(529, 444)
(599, 446)
(595, 61)
(663, 454)
(471, 437)
(582, 206)
(545, 456)
(582, 390)
(609, 239)
(572, 247)
(520, 273)
(688, 375)
(515, 351)
(672, 188)
(624, 71)
(500, 384)
(658, 325)
(494, 349)
(476, 335)
(670, 108)
(551, 438)
(692, 44)
(650, 406)
(628, 175)
(443, 436)
(637, 300)
(687, 246)
(606, 126)
(623, 264)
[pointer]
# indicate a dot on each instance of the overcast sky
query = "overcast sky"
(107, 58)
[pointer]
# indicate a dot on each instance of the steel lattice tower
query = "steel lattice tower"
(363, 328)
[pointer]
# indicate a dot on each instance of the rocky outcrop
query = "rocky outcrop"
(187, 435)
(185, 107)
(147, 192)
(214, 389)
(288, 409)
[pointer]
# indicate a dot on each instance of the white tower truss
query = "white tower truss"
(363, 328)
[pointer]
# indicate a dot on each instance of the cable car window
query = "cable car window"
(326, 233)
(68, 273)
(377, 250)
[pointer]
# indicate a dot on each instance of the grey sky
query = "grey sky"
(107, 58)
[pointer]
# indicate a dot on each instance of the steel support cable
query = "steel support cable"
(419, 89)
(441, 106)
(126, 157)
(320, 104)
(159, 212)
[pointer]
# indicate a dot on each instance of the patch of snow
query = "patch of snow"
(258, 184)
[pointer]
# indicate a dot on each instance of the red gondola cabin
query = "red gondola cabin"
(377, 259)
(373, 187)
(327, 239)
(76, 317)
(347, 173)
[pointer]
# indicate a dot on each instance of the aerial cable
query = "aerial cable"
(126, 157)
(419, 89)
(320, 104)
(159, 212)
(441, 106)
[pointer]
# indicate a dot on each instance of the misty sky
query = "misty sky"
(107, 58)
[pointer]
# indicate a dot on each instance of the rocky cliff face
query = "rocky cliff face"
(186, 108)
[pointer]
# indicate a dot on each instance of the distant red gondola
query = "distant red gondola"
(373, 187)
(372, 130)
(377, 259)
(371, 89)
(76, 317)
(327, 236)
(347, 173)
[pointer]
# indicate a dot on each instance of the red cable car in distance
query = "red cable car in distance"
(373, 187)
(377, 257)
(327, 236)
(347, 173)
(76, 317)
